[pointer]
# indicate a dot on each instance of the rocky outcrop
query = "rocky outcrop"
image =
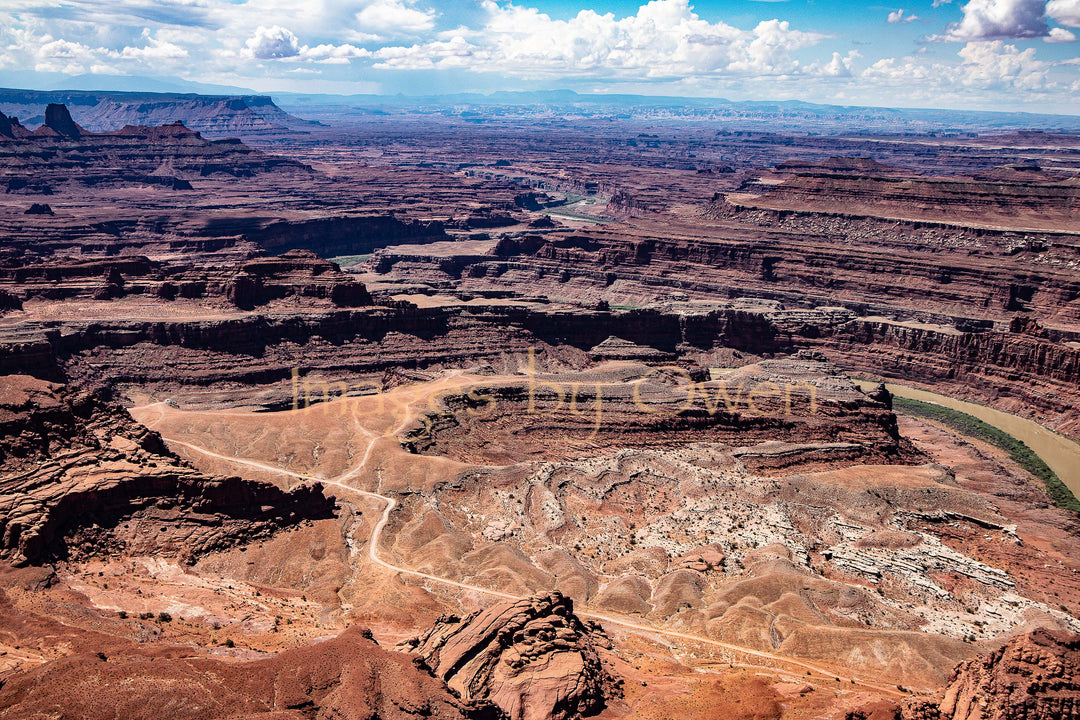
(533, 658)
(80, 477)
(1032, 677)
(348, 677)
(58, 119)
(299, 273)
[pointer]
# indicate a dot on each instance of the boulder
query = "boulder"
(534, 658)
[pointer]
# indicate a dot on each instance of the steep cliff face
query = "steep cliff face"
(80, 477)
(333, 236)
(1017, 372)
(1022, 196)
(967, 353)
(261, 347)
(1033, 677)
(872, 266)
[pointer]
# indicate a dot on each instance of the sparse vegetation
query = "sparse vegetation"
(1020, 453)
(350, 260)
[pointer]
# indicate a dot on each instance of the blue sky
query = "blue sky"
(984, 54)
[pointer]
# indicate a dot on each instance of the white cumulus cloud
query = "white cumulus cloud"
(993, 19)
(156, 50)
(275, 42)
(984, 65)
(664, 39)
(394, 16)
(897, 16)
(1060, 35)
(63, 56)
(1066, 12)
(994, 64)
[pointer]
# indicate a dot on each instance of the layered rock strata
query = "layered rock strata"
(80, 477)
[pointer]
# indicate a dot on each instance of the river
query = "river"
(1061, 454)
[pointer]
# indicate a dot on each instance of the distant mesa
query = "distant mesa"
(39, 209)
(862, 165)
(216, 115)
(167, 156)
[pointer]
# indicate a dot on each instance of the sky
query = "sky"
(982, 54)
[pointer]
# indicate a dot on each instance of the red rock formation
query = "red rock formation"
(9, 301)
(533, 658)
(80, 477)
(636, 405)
(131, 156)
(295, 273)
(346, 678)
(861, 185)
(58, 119)
(1033, 677)
(102, 111)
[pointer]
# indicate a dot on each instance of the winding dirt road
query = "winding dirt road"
(388, 507)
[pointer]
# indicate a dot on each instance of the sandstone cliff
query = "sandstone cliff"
(1033, 677)
(79, 477)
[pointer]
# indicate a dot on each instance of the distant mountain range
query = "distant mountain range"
(100, 111)
(248, 115)
(791, 114)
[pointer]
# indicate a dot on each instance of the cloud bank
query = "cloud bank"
(1010, 51)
